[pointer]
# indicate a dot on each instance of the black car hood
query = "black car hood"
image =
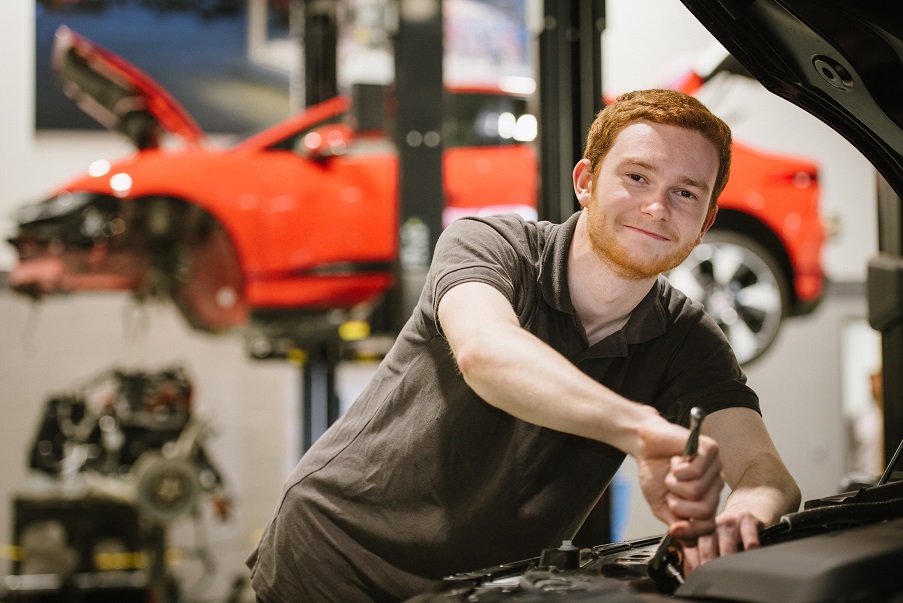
(839, 60)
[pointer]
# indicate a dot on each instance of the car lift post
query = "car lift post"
(320, 402)
(570, 95)
(418, 136)
(320, 48)
(885, 309)
(419, 95)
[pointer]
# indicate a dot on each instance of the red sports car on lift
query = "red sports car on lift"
(299, 221)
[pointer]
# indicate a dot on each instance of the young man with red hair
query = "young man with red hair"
(539, 355)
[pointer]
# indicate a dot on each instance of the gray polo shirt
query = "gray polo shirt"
(421, 478)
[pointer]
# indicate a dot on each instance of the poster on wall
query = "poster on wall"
(487, 42)
(195, 50)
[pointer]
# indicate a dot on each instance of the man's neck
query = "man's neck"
(603, 299)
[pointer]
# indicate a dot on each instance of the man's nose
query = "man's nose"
(656, 206)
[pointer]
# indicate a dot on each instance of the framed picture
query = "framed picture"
(197, 50)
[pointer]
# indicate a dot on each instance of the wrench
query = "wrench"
(663, 568)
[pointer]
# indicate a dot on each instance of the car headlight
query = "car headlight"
(55, 207)
(79, 218)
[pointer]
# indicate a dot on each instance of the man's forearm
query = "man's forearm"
(528, 379)
(513, 370)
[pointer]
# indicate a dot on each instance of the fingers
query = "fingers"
(692, 477)
(694, 498)
(692, 559)
(682, 492)
(693, 492)
(749, 532)
(731, 529)
(694, 556)
(705, 462)
(736, 528)
(688, 532)
(727, 530)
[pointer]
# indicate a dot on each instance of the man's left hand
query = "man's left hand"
(732, 529)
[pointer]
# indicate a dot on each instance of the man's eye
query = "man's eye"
(635, 177)
(686, 194)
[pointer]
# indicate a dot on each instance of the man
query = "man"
(538, 355)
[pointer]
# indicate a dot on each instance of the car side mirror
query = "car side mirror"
(326, 141)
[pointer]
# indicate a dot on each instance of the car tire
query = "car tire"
(209, 287)
(742, 286)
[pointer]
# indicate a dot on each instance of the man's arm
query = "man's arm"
(762, 490)
(513, 370)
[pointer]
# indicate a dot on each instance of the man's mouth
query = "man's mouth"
(655, 235)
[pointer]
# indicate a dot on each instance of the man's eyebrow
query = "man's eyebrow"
(693, 182)
(648, 166)
(639, 163)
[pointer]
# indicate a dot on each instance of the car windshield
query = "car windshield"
(487, 119)
(293, 142)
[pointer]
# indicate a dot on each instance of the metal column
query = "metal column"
(570, 95)
(320, 41)
(419, 92)
(321, 402)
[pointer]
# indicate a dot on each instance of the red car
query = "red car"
(301, 219)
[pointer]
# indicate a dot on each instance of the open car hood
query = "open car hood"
(839, 60)
(117, 94)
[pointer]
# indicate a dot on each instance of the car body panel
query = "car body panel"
(782, 192)
(838, 60)
(508, 172)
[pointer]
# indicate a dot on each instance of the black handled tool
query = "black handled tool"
(664, 568)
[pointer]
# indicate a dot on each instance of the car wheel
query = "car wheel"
(742, 287)
(210, 290)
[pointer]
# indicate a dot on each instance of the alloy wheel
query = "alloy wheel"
(741, 286)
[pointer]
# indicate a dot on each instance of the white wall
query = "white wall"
(59, 343)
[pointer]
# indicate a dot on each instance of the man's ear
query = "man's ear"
(709, 220)
(583, 180)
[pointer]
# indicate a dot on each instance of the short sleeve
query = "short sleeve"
(495, 252)
(704, 372)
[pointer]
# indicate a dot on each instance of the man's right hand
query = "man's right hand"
(682, 492)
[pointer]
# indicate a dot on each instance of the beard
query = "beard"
(634, 263)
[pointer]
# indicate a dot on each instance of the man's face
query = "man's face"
(650, 204)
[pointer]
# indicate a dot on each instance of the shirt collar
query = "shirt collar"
(553, 268)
